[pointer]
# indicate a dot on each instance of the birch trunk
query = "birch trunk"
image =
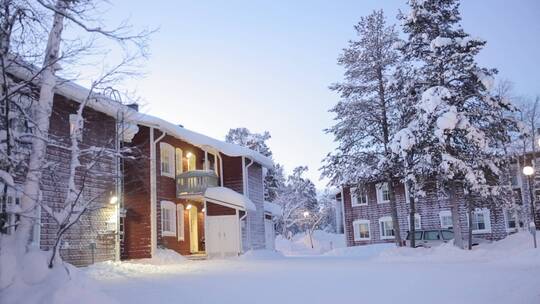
(41, 113)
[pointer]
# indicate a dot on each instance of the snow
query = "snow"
(300, 245)
(222, 194)
(35, 283)
(433, 98)
(275, 209)
(440, 42)
(6, 178)
(496, 273)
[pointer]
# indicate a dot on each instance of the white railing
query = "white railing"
(195, 182)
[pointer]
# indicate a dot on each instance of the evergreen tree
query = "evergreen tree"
(458, 130)
(367, 113)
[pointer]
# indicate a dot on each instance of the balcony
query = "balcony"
(195, 182)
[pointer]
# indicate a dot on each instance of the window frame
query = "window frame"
(180, 230)
(487, 220)
(382, 231)
(380, 192)
(507, 215)
(170, 207)
(444, 213)
(355, 202)
(356, 230)
(418, 217)
(178, 161)
(170, 151)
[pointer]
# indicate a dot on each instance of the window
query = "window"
(387, 228)
(432, 235)
(166, 156)
(417, 235)
(361, 230)
(383, 193)
(447, 235)
(511, 220)
(358, 201)
(191, 163)
(178, 160)
(515, 176)
(180, 218)
(446, 219)
(417, 222)
(481, 222)
(73, 126)
(168, 218)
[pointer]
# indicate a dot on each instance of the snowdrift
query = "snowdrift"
(300, 244)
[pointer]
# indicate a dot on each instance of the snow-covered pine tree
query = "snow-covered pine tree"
(459, 129)
(274, 179)
(366, 115)
(297, 196)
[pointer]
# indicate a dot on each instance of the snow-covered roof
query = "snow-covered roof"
(275, 209)
(106, 105)
(229, 196)
(202, 141)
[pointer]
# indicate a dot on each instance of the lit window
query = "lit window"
(446, 219)
(383, 193)
(387, 228)
(191, 161)
(166, 153)
(168, 218)
(358, 200)
(361, 230)
(178, 159)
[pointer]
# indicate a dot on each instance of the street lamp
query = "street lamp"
(306, 214)
(529, 172)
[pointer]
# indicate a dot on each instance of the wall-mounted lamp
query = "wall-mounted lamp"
(113, 200)
(188, 206)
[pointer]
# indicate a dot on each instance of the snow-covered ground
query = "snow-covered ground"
(501, 272)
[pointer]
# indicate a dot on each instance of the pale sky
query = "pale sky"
(267, 65)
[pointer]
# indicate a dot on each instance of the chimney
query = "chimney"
(134, 106)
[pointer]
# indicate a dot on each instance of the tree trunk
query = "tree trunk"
(394, 212)
(412, 231)
(470, 223)
(42, 113)
(454, 207)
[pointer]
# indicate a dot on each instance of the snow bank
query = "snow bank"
(261, 255)
(300, 243)
(35, 283)
(368, 251)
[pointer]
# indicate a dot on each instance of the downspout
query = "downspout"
(218, 155)
(153, 191)
(343, 215)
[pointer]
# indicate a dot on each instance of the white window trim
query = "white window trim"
(172, 208)
(443, 214)
(171, 155)
(381, 220)
(417, 219)
(354, 198)
(356, 231)
(515, 213)
(379, 188)
(487, 218)
(180, 221)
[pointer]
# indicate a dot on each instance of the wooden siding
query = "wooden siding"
(93, 227)
(232, 173)
(428, 208)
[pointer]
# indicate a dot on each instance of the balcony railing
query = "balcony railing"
(195, 182)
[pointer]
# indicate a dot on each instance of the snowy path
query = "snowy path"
(321, 280)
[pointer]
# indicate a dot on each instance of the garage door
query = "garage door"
(223, 235)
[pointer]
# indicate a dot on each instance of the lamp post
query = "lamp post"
(529, 172)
